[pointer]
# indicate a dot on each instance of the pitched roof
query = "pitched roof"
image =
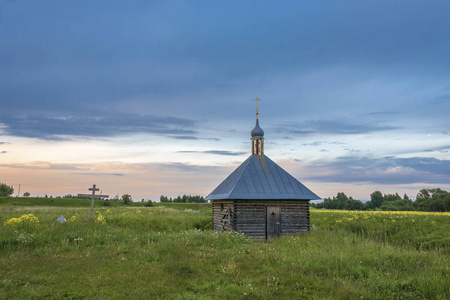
(259, 178)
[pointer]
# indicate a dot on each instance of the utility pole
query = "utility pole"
(18, 193)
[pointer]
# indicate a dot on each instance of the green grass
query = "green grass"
(74, 202)
(56, 202)
(169, 252)
(421, 230)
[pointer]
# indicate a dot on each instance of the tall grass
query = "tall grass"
(421, 230)
(169, 252)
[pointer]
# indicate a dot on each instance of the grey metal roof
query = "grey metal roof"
(259, 178)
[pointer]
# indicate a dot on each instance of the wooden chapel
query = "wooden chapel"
(260, 199)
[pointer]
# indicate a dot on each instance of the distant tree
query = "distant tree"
(376, 199)
(106, 203)
(398, 205)
(446, 202)
(431, 200)
(149, 203)
(353, 204)
(26, 194)
(426, 200)
(164, 199)
(341, 201)
(183, 199)
(126, 199)
(6, 190)
(391, 197)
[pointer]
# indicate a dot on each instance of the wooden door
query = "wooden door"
(273, 220)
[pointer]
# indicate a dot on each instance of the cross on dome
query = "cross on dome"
(257, 110)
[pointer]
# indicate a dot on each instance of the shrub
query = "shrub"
(126, 199)
(6, 190)
(149, 203)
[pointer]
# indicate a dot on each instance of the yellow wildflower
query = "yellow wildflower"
(101, 219)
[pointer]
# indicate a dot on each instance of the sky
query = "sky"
(153, 98)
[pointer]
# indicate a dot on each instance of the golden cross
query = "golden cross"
(257, 110)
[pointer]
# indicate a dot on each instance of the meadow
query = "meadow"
(169, 252)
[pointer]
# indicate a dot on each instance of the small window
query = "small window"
(221, 206)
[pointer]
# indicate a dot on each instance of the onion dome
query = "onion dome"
(257, 132)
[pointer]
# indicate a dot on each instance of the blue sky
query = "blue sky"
(154, 97)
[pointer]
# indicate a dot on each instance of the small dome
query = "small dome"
(257, 131)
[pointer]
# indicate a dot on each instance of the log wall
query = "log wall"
(251, 219)
(223, 214)
(249, 216)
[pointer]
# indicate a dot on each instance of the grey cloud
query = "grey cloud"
(319, 143)
(336, 143)
(426, 164)
(313, 144)
(190, 137)
(443, 149)
(3, 152)
(217, 152)
(85, 169)
(183, 167)
(332, 127)
(101, 174)
(352, 150)
(387, 170)
(45, 165)
(383, 113)
(54, 127)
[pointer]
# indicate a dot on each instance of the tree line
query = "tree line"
(183, 199)
(427, 200)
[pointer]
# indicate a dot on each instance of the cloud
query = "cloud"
(183, 167)
(190, 137)
(313, 144)
(217, 152)
(101, 174)
(387, 170)
(113, 168)
(383, 113)
(3, 152)
(442, 149)
(331, 127)
(54, 127)
(44, 165)
(319, 143)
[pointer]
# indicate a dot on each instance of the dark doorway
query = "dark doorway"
(273, 219)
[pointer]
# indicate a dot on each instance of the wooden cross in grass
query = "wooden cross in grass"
(93, 189)
(93, 195)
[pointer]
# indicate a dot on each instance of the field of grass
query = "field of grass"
(169, 252)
